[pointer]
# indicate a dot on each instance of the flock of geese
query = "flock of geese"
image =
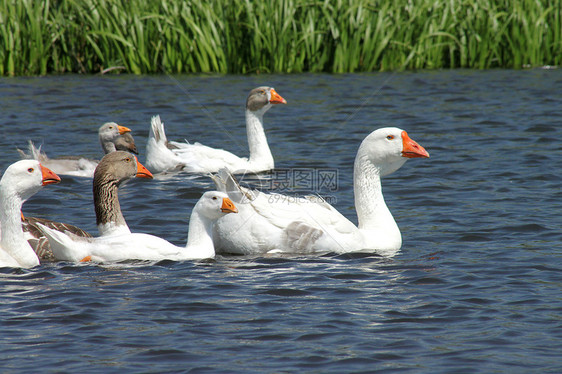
(232, 219)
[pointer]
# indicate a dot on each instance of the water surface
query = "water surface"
(475, 288)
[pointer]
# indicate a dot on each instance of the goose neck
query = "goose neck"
(109, 217)
(13, 240)
(257, 141)
(199, 237)
(372, 212)
(9, 215)
(108, 147)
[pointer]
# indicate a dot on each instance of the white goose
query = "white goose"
(20, 181)
(116, 242)
(274, 222)
(112, 136)
(162, 155)
(210, 207)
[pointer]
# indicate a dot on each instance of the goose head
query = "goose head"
(126, 143)
(109, 133)
(26, 177)
(389, 148)
(118, 167)
(213, 205)
(260, 99)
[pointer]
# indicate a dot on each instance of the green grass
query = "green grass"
(289, 36)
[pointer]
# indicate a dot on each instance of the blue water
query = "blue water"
(475, 288)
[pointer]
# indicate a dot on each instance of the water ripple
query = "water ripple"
(475, 288)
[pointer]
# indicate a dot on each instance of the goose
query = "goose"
(20, 181)
(112, 137)
(281, 223)
(139, 246)
(162, 155)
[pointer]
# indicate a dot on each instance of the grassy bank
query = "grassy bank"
(244, 36)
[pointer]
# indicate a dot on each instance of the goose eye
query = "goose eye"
(390, 137)
(128, 159)
(30, 170)
(214, 197)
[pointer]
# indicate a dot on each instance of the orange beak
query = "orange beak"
(123, 129)
(276, 98)
(228, 206)
(411, 149)
(48, 176)
(142, 172)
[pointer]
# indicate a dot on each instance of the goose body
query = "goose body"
(19, 182)
(39, 242)
(112, 137)
(275, 222)
(124, 246)
(163, 155)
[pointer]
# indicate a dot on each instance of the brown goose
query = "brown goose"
(113, 169)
